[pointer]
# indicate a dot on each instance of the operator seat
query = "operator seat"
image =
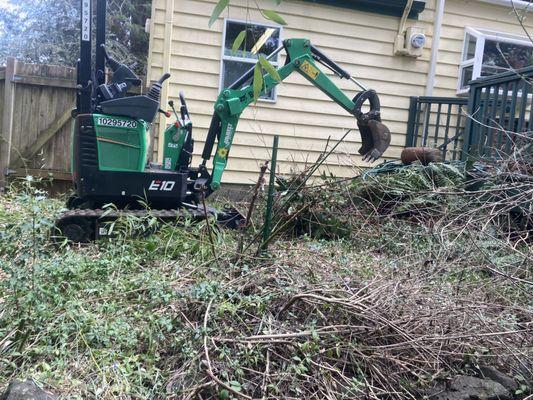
(142, 106)
(112, 98)
(139, 107)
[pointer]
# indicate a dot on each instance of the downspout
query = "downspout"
(437, 23)
(167, 49)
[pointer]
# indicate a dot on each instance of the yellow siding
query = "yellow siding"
(302, 115)
(458, 15)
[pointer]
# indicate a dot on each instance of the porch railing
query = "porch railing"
(500, 108)
(437, 122)
(492, 122)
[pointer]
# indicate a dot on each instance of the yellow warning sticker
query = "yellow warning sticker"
(223, 152)
(309, 70)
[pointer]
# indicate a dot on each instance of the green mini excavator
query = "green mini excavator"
(111, 136)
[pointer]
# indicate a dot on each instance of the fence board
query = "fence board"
(35, 105)
(2, 86)
(7, 120)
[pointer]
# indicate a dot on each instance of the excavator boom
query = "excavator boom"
(301, 57)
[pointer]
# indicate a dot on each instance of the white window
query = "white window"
(487, 53)
(260, 39)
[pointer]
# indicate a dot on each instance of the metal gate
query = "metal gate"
(437, 122)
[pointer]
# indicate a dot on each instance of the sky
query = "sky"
(6, 5)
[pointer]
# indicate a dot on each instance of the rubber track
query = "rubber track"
(110, 213)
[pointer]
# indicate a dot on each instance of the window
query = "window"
(487, 53)
(260, 39)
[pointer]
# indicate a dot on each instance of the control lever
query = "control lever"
(113, 64)
(171, 104)
(165, 76)
(165, 113)
(183, 109)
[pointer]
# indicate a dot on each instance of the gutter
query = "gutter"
(437, 23)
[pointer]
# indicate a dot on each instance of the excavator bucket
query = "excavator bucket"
(375, 137)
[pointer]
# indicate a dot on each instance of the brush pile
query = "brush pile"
(373, 288)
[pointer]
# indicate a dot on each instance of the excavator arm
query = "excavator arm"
(301, 57)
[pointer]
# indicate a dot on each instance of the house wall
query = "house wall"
(304, 117)
(459, 14)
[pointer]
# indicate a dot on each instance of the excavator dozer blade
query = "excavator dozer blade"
(375, 137)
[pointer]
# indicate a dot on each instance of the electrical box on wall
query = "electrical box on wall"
(411, 42)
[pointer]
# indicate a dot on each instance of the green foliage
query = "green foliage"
(238, 41)
(102, 304)
(47, 31)
(330, 210)
(273, 16)
(263, 65)
(133, 315)
(411, 188)
(268, 14)
(44, 31)
(269, 68)
(217, 10)
(258, 81)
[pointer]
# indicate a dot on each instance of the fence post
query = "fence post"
(470, 126)
(7, 120)
(413, 104)
(270, 198)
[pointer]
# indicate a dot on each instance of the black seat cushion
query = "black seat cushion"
(138, 107)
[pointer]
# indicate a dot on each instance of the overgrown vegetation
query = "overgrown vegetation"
(418, 280)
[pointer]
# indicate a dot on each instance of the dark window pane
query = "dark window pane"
(260, 40)
(470, 47)
(466, 76)
(500, 57)
(233, 70)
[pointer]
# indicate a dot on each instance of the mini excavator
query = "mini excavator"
(111, 136)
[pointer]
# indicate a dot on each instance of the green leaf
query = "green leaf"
(269, 68)
(278, 2)
(221, 5)
(235, 385)
(274, 16)
(238, 41)
(223, 394)
(258, 81)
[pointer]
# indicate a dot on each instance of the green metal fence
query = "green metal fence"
(492, 122)
(437, 122)
(500, 108)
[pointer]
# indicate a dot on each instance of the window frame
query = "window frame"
(482, 35)
(224, 57)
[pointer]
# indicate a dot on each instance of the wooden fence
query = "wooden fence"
(35, 106)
